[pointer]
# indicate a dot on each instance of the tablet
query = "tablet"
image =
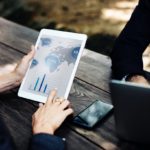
(53, 66)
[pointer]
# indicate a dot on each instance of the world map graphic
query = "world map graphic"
(58, 56)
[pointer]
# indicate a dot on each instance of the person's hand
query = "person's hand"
(22, 67)
(49, 117)
(139, 79)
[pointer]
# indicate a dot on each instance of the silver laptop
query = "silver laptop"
(132, 110)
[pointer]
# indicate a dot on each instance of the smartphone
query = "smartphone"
(90, 116)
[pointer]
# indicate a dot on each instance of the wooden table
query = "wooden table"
(90, 83)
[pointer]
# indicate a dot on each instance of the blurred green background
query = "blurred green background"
(101, 20)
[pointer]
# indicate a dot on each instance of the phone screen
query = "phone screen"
(94, 113)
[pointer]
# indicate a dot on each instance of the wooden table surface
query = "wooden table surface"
(90, 83)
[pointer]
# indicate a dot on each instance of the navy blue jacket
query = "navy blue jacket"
(38, 141)
(131, 43)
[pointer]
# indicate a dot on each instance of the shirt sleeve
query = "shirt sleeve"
(46, 142)
(6, 141)
(128, 49)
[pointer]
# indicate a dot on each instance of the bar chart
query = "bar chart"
(39, 85)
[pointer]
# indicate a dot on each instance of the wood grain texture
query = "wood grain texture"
(8, 56)
(75, 141)
(94, 68)
(16, 36)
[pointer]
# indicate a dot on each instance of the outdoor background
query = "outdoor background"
(101, 20)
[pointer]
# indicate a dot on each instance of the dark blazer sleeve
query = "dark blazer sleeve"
(38, 141)
(6, 142)
(46, 142)
(128, 49)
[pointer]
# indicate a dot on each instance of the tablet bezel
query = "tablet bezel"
(70, 35)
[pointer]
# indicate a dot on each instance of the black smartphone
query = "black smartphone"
(95, 112)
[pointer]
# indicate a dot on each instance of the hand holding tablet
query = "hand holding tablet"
(53, 66)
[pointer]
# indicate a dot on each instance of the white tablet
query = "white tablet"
(53, 66)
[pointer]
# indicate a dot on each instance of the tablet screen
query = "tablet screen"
(52, 65)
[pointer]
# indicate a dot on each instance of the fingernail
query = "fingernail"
(56, 89)
(40, 104)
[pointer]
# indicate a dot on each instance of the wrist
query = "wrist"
(138, 79)
(37, 130)
(132, 76)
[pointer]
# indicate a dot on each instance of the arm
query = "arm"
(130, 45)
(46, 120)
(6, 142)
(43, 141)
(9, 81)
(14, 78)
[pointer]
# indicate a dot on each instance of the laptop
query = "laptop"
(132, 110)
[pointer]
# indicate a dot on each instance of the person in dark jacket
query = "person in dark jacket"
(127, 52)
(45, 121)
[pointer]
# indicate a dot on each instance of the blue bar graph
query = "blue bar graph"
(39, 85)
(45, 88)
(42, 82)
(37, 81)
